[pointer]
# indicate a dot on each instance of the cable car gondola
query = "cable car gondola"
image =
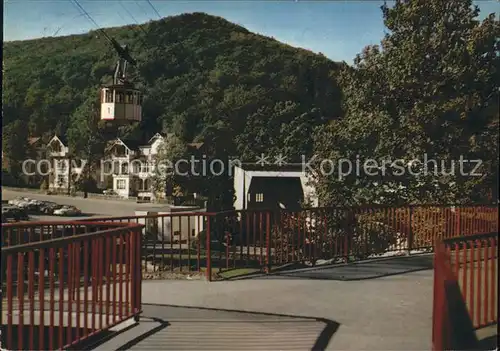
(121, 102)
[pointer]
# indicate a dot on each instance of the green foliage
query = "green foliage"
(217, 186)
(86, 141)
(167, 173)
(14, 147)
(44, 185)
(431, 88)
(195, 70)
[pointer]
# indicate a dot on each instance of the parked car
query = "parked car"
(67, 210)
(18, 200)
(14, 214)
(48, 207)
(32, 206)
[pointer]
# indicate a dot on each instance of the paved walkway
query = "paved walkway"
(388, 313)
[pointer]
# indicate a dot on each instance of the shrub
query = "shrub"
(44, 185)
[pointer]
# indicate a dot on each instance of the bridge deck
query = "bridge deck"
(388, 313)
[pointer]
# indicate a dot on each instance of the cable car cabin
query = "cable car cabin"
(121, 104)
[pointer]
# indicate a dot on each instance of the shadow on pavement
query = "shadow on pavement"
(190, 328)
(370, 269)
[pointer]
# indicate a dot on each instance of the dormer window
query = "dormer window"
(56, 147)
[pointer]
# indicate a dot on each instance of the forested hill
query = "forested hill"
(197, 72)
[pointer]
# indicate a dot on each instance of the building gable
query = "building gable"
(56, 141)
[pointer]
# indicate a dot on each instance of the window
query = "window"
(259, 197)
(107, 167)
(61, 180)
(124, 168)
(121, 184)
(61, 165)
(55, 147)
(129, 98)
(109, 96)
(145, 168)
(119, 97)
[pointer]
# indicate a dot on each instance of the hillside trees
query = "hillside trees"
(217, 182)
(194, 71)
(168, 173)
(14, 147)
(87, 141)
(431, 88)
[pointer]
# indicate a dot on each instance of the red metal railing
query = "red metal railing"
(172, 242)
(194, 243)
(262, 238)
(465, 290)
(181, 242)
(475, 265)
(69, 282)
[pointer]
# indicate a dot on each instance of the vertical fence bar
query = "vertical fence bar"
(138, 286)
(94, 283)
(127, 275)
(10, 297)
(268, 242)
(113, 272)
(472, 280)
(70, 268)
(479, 275)
(486, 282)
(410, 229)
(41, 298)
(78, 275)
(52, 259)
(61, 297)
(86, 279)
(31, 292)
(20, 298)
(493, 248)
(208, 251)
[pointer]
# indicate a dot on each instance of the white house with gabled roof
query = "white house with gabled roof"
(62, 167)
(131, 166)
(272, 186)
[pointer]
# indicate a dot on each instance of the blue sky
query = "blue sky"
(338, 29)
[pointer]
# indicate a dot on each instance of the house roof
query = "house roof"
(291, 167)
(33, 140)
(131, 144)
(62, 139)
(160, 135)
(196, 146)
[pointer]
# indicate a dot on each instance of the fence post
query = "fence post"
(348, 235)
(136, 269)
(208, 252)
(138, 249)
(410, 230)
(2, 279)
(458, 222)
(268, 242)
